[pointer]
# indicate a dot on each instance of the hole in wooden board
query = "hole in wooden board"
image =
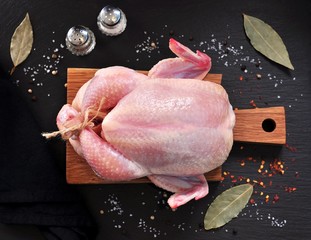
(268, 125)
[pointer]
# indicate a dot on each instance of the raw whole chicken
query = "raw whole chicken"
(169, 126)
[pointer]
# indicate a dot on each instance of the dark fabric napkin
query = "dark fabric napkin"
(33, 189)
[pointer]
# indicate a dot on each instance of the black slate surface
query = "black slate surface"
(126, 209)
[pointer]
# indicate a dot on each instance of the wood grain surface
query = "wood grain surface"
(260, 125)
(248, 128)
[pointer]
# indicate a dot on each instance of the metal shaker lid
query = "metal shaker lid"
(80, 40)
(111, 21)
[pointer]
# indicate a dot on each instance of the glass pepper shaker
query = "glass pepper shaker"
(111, 21)
(80, 40)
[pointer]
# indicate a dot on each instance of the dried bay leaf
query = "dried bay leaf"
(21, 42)
(227, 206)
(266, 40)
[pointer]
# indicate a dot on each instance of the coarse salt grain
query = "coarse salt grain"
(114, 205)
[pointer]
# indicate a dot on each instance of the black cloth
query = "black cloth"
(33, 188)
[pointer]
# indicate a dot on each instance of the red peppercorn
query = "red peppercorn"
(252, 103)
(276, 198)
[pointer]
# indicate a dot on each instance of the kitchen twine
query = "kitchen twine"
(78, 127)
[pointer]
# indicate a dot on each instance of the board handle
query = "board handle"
(260, 125)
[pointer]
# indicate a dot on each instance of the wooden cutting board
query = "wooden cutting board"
(258, 125)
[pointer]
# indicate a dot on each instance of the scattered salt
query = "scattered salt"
(114, 205)
(147, 229)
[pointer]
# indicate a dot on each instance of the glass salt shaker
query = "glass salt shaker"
(111, 21)
(80, 40)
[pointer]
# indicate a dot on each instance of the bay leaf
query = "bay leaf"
(227, 206)
(266, 40)
(21, 41)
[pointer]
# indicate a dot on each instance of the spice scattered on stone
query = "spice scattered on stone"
(243, 67)
(276, 198)
(252, 103)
